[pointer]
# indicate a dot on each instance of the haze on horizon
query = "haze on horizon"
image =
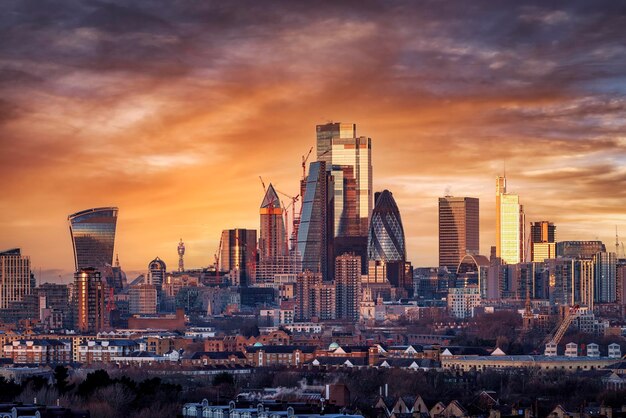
(171, 111)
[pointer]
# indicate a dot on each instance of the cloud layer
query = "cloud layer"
(171, 110)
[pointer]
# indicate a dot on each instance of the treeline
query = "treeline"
(99, 393)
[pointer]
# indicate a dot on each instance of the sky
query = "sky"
(171, 110)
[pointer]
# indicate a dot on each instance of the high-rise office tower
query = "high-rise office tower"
(347, 286)
(605, 282)
(93, 237)
(458, 230)
(238, 254)
(542, 241)
(272, 239)
(386, 246)
(338, 145)
(510, 225)
(315, 233)
(88, 301)
(16, 278)
(156, 273)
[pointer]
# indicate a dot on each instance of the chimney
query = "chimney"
(386, 390)
(327, 392)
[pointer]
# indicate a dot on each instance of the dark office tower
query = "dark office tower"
(88, 301)
(272, 240)
(605, 282)
(386, 245)
(347, 286)
(16, 279)
(338, 145)
(458, 230)
(238, 255)
(583, 250)
(93, 237)
(542, 241)
(156, 273)
(315, 233)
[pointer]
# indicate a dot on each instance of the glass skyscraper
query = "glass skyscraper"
(458, 230)
(93, 237)
(339, 147)
(510, 225)
(315, 233)
(238, 255)
(272, 239)
(386, 246)
(542, 241)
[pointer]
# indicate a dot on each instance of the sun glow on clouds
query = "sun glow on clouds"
(171, 112)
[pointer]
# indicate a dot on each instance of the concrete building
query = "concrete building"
(38, 351)
(462, 301)
(16, 279)
(348, 286)
(315, 299)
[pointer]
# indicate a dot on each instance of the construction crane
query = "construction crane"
(304, 160)
(217, 256)
(555, 337)
(263, 183)
(294, 199)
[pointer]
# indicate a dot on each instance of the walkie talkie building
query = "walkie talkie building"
(93, 237)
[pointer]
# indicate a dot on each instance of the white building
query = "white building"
(462, 301)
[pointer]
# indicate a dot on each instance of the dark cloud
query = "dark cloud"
(105, 100)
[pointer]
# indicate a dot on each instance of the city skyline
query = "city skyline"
(177, 142)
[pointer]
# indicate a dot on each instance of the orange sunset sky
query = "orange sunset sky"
(171, 110)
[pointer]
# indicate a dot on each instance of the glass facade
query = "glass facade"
(338, 145)
(510, 221)
(238, 254)
(93, 237)
(458, 230)
(386, 235)
(315, 232)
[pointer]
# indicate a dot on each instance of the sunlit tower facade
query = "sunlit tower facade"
(347, 286)
(181, 255)
(542, 241)
(458, 230)
(93, 237)
(238, 255)
(16, 278)
(510, 225)
(88, 301)
(339, 146)
(272, 236)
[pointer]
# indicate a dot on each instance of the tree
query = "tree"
(61, 377)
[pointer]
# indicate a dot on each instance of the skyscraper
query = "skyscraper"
(156, 273)
(542, 241)
(458, 230)
(16, 279)
(315, 233)
(584, 250)
(338, 145)
(386, 245)
(93, 237)
(314, 298)
(88, 301)
(238, 255)
(272, 239)
(510, 225)
(605, 282)
(347, 286)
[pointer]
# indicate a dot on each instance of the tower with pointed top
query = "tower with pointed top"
(181, 254)
(272, 239)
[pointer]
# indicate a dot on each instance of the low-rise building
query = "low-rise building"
(38, 351)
